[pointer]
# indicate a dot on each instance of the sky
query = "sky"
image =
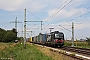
(57, 14)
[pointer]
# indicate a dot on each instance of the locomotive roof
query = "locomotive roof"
(56, 32)
(53, 32)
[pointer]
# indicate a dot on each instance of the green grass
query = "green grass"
(2, 44)
(17, 52)
(78, 44)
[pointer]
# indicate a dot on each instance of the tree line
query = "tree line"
(8, 35)
(11, 36)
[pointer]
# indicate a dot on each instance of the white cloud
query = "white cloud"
(77, 25)
(10, 5)
(66, 14)
(68, 11)
(34, 5)
(13, 5)
(68, 25)
(83, 25)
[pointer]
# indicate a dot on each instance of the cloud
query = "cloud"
(82, 25)
(34, 5)
(66, 15)
(67, 26)
(10, 5)
(68, 10)
(13, 5)
(77, 25)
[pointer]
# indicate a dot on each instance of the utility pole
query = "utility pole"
(25, 29)
(22, 30)
(41, 25)
(72, 34)
(16, 24)
(22, 34)
(31, 33)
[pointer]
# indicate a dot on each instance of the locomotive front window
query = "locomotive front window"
(58, 35)
(61, 35)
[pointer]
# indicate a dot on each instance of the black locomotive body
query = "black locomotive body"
(55, 39)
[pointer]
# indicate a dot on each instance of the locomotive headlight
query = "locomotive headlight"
(56, 40)
(61, 40)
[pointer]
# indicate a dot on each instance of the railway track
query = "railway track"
(78, 53)
(82, 51)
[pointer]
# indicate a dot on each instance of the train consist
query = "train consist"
(55, 39)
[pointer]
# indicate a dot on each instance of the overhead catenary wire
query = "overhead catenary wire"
(65, 28)
(71, 16)
(34, 16)
(34, 27)
(45, 27)
(79, 16)
(58, 25)
(4, 23)
(74, 14)
(58, 10)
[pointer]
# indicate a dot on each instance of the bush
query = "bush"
(2, 33)
(9, 37)
(88, 40)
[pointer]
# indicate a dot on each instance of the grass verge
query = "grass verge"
(54, 54)
(17, 52)
(78, 44)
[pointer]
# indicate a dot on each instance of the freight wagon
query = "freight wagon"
(54, 39)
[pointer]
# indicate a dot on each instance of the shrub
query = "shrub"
(88, 40)
(9, 37)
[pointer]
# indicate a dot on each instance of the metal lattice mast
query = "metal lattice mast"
(72, 34)
(25, 29)
(15, 24)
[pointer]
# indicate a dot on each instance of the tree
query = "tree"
(14, 31)
(1, 36)
(9, 37)
(20, 39)
(2, 33)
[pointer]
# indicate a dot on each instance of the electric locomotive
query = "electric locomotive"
(55, 39)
